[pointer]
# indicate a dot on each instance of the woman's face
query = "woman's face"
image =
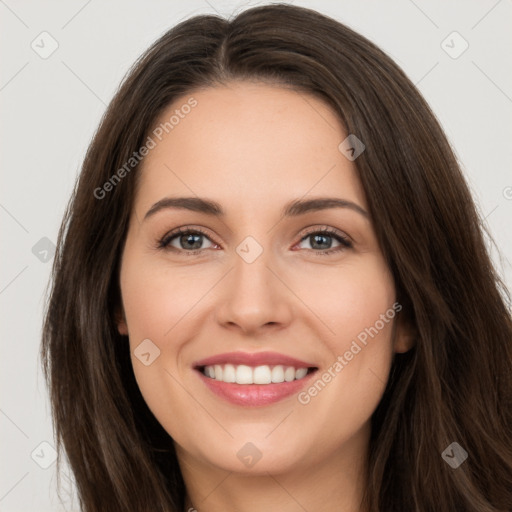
(256, 286)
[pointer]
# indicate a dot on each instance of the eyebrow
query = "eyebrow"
(292, 209)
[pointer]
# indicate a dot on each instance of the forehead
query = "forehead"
(248, 143)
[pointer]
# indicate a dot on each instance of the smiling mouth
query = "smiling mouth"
(263, 374)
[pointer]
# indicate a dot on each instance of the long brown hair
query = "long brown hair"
(455, 384)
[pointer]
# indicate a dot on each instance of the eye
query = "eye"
(189, 240)
(322, 239)
(186, 238)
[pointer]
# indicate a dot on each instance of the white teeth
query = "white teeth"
(262, 375)
(300, 373)
(229, 374)
(243, 374)
(289, 374)
(277, 374)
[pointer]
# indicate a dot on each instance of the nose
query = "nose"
(255, 297)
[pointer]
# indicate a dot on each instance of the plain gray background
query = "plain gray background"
(51, 106)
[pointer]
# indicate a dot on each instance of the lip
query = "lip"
(253, 359)
(254, 395)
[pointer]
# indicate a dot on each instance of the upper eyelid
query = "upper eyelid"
(324, 228)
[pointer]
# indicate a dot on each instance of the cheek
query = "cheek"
(156, 305)
(353, 299)
(156, 298)
(358, 308)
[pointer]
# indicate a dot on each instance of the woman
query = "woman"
(249, 371)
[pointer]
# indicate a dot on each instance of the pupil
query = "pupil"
(191, 236)
(315, 237)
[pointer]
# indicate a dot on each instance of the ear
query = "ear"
(120, 320)
(406, 334)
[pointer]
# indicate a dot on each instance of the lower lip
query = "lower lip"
(253, 395)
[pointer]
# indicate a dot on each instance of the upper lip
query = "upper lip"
(253, 359)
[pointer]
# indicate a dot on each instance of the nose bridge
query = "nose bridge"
(251, 268)
(254, 296)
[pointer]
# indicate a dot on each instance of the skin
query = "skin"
(253, 147)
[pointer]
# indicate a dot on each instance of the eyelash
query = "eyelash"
(164, 242)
